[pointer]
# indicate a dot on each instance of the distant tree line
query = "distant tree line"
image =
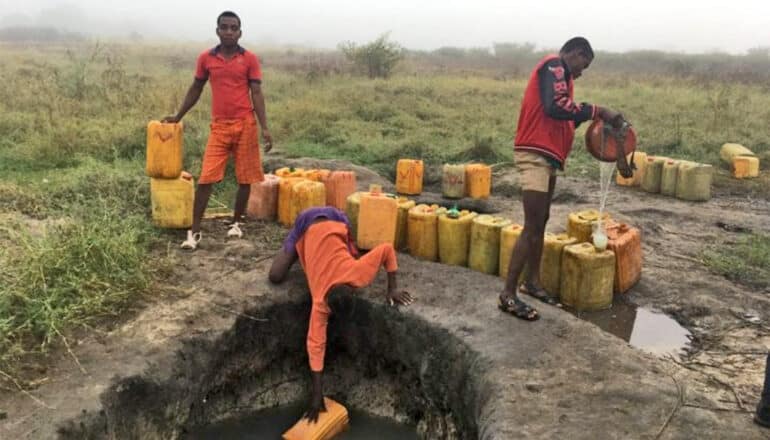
(42, 34)
(516, 59)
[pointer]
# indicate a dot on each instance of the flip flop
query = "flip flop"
(518, 308)
(539, 294)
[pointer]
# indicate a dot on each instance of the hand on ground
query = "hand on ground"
(401, 297)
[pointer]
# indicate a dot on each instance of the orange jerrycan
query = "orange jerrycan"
(478, 180)
(409, 176)
(339, 185)
(330, 424)
(285, 195)
(290, 172)
(263, 198)
(164, 150)
(306, 194)
(626, 242)
(317, 175)
(377, 218)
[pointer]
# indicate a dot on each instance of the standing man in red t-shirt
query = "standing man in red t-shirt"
(544, 136)
(236, 93)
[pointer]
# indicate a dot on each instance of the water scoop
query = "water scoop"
(603, 140)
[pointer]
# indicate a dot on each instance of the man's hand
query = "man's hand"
(611, 117)
(268, 140)
(170, 119)
(624, 168)
(316, 407)
(399, 297)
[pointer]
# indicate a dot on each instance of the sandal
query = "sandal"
(235, 231)
(192, 241)
(539, 293)
(518, 308)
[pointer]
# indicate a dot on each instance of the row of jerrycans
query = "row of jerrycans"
(682, 179)
(458, 181)
(290, 191)
(571, 266)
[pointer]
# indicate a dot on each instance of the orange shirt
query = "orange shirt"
(230, 79)
(326, 259)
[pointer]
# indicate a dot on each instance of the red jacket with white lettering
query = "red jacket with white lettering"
(549, 116)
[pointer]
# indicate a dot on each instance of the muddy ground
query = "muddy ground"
(558, 378)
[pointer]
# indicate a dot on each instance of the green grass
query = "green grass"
(746, 261)
(75, 234)
(74, 249)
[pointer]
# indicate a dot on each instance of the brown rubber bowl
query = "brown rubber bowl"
(610, 153)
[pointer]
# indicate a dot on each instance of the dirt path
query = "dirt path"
(567, 381)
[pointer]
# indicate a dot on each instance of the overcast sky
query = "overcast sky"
(732, 26)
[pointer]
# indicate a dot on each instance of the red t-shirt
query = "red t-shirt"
(230, 79)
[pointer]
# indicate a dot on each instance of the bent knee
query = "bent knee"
(276, 276)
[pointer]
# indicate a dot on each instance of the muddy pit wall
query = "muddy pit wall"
(378, 359)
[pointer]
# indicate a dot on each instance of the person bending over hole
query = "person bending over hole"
(321, 241)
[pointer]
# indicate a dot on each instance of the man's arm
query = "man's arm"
(258, 100)
(281, 265)
(554, 94)
(395, 296)
(193, 93)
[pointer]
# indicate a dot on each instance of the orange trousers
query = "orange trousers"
(238, 138)
(324, 255)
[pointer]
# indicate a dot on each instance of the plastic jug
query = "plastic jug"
(376, 220)
(306, 194)
(454, 237)
(478, 180)
(339, 185)
(409, 173)
(164, 150)
(581, 224)
(626, 242)
(484, 254)
(172, 201)
(453, 181)
(694, 181)
(263, 198)
(587, 277)
(402, 229)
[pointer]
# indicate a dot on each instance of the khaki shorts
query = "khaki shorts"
(535, 171)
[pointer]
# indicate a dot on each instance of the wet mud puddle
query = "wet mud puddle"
(272, 423)
(645, 329)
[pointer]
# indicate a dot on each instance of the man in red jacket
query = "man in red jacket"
(544, 136)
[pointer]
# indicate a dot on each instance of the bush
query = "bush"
(377, 59)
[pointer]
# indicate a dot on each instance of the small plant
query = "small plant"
(746, 262)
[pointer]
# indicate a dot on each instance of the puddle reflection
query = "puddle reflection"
(647, 330)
